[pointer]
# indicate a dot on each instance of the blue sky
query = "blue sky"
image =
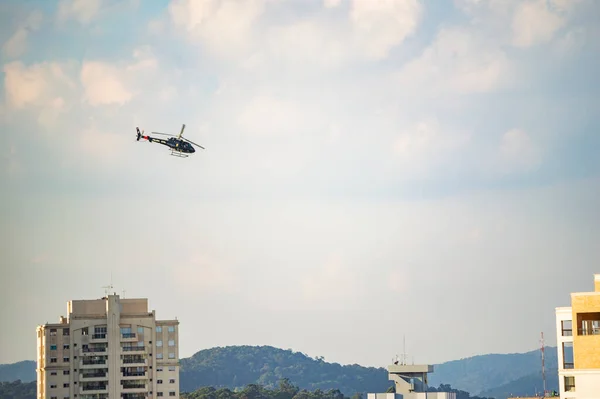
(372, 169)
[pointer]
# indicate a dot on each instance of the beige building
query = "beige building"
(578, 344)
(108, 348)
(410, 382)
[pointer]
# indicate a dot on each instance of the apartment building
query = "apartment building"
(578, 345)
(410, 382)
(108, 348)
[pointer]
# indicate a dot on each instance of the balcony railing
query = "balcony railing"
(567, 333)
(87, 361)
(99, 336)
(134, 360)
(128, 335)
(133, 396)
(589, 331)
(94, 387)
(133, 348)
(97, 374)
(137, 385)
(98, 349)
(568, 365)
(134, 373)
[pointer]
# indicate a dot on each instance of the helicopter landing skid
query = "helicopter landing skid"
(179, 154)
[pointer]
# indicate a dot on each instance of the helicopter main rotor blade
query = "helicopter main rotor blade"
(181, 133)
(164, 134)
(191, 142)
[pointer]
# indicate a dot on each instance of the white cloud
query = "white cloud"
(381, 25)
(224, 27)
(46, 87)
(16, 45)
(518, 152)
(106, 83)
(534, 23)
(423, 147)
(331, 3)
(81, 10)
(459, 61)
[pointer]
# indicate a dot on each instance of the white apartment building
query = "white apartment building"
(108, 348)
(578, 345)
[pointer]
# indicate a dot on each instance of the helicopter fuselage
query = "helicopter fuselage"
(174, 143)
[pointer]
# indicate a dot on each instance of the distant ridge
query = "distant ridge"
(236, 366)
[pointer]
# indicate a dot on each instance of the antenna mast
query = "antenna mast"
(543, 368)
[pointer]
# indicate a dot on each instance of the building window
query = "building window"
(159, 394)
(159, 355)
(66, 385)
(172, 393)
(569, 384)
(140, 330)
(159, 381)
(66, 372)
(65, 359)
(52, 360)
(159, 330)
(171, 381)
(52, 347)
(159, 369)
(171, 368)
(52, 332)
(65, 346)
(171, 329)
(158, 343)
(84, 331)
(53, 386)
(568, 359)
(53, 373)
(171, 355)
(66, 331)
(171, 342)
(567, 328)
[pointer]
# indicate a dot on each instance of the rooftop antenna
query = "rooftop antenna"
(543, 368)
(108, 287)
(123, 293)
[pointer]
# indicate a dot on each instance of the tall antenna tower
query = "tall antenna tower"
(543, 368)
(108, 287)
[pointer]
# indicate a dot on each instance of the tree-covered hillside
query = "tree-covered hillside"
(237, 366)
(529, 385)
(484, 373)
(18, 390)
(24, 371)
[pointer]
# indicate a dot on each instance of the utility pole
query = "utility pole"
(543, 368)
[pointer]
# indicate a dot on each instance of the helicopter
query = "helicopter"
(180, 147)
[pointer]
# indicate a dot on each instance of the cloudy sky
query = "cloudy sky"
(372, 169)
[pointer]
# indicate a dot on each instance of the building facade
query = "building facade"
(108, 348)
(578, 345)
(410, 382)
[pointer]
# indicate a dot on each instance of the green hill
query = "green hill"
(528, 385)
(484, 373)
(238, 366)
(24, 371)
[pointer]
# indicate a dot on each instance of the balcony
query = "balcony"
(93, 373)
(133, 396)
(589, 331)
(128, 336)
(133, 373)
(91, 362)
(98, 336)
(133, 360)
(568, 365)
(94, 349)
(133, 348)
(92, 388)
(132, 385)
